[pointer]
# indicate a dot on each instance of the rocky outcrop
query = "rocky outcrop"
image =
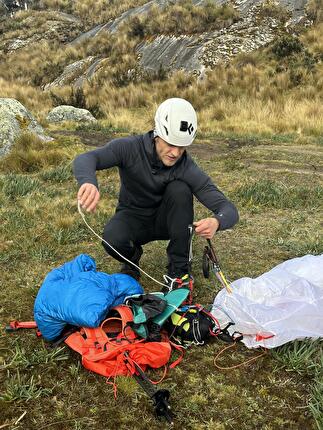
(73, 73)
(195, 53)
(69, 113)
(259, 23)
(112, 26)
(58, 26)
(14, 119)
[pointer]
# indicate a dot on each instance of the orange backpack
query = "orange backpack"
(114, 349)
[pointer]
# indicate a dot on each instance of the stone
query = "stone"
(69, 113)
(14, 119)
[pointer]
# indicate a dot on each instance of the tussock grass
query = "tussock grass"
(19, 185)
(274, 90)
(32, 98)
(314, 10)
(183, 17)
(278, 195)
(91, 12)
(31, 154)
(57, 174)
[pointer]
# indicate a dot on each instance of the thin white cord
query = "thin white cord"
(120, 255)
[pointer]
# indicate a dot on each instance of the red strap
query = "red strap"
(180, 358)
(15, 325)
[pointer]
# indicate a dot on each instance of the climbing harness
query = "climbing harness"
(192, 325)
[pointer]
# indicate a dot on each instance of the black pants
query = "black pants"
(128, 229)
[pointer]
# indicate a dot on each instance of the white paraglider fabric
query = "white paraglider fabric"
(279, 306)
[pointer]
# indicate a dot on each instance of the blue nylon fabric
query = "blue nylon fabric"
(75, 293)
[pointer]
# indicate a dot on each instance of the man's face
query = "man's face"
(168, 154)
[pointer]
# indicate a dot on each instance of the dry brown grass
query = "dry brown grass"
(31, 154)
(315, 10)
(313, 38)
(269, 91)
(183, 17)
(32, 98)
(91, 12)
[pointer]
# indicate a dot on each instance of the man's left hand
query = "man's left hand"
(206, 227)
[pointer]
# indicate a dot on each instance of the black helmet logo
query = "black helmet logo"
(185, 127)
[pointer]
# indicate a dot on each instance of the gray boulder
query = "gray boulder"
(69, 113)
(77, 73)
(14, 119)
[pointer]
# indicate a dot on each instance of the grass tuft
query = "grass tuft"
(316, 400)
(19, 185)
(31, 154)
(23, 359)
(301, 356)
(22, 388)
(58, 174)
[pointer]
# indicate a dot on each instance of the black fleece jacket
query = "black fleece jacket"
(144, 177)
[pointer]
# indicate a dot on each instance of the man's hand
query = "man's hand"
(88, 196)
(206, 227)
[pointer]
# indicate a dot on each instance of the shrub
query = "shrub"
(77, 98)
(287, 46)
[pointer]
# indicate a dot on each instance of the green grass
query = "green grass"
(304, 357)
(21, 388)
(278, 195)
(316, 400)
(57, 174)
(41, 229)
(18, 185)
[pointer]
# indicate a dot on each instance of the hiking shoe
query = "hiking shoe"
(129, 269)
(186, 281)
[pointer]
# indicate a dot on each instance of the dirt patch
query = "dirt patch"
(88, 138)
(96, 139)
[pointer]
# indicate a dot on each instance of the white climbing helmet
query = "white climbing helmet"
(176, 122)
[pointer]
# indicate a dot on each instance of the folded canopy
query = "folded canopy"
(281, 305)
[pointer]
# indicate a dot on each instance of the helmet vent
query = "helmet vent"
(166, 118)
(166, 130)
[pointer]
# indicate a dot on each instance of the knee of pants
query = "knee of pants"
(179, 192)
(117, 241)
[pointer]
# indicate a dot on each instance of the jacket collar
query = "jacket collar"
(150, 148)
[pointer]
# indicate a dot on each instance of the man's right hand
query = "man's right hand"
(88, 196)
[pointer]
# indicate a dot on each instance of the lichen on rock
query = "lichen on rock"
(14, 119)
(69, 113)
